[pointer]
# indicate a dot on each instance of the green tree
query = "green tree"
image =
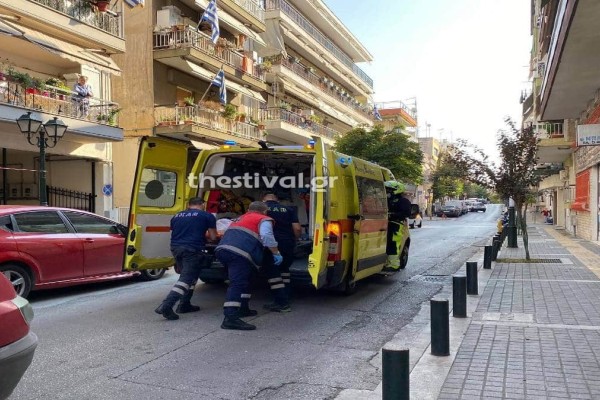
(389, 149)
(514, 178)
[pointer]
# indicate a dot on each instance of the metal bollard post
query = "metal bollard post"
(440, 328)
(459, 296)
(487, 257)
(472, 284)
(396, 374)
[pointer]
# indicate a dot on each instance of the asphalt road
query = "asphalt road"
(105, 342)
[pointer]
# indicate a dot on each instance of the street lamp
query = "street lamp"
(43, 136)
(430, 203)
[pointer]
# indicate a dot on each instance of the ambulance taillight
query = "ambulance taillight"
(335, 241)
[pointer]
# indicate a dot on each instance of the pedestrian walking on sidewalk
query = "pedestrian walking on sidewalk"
(188, 238)
(241, 250)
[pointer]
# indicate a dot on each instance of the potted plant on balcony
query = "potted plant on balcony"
(230, 112)
(241, 117)
(266, 66)
(189, 101)
(110, 117)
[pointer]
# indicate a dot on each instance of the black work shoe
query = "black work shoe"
(167, 312)
(276, 307)
(237, 324)
(246, 312)
(183, 308)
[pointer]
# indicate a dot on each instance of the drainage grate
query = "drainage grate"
(532, 261)
(434, 278)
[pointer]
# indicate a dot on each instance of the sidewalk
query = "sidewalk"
(534, 331)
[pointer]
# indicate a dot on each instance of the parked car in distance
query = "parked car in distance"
(450, 211)
(477, 206)
(17, 342)
(48, 247)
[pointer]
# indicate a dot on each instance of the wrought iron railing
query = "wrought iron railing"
(211, 119)
(188, 37)
(300, 121)
(253, 7)
(58, 101)
(325, 85)
(84, 11)
(316, 34)
(58, 197)
(545, 130)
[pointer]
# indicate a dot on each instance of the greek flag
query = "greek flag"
(376, 114)
(210, 16)
(133, 3)
(219, 82)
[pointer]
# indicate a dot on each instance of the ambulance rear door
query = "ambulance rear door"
(319, 216)
(370, 229)
(159, 192)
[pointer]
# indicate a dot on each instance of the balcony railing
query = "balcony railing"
(173, 39)
(325, 87)
(302, 122)
(83, 11)
(316, 34)
(253, 7)
(60, 102)
(210, 119)
(546, 130)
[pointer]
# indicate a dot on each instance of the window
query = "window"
(6, 223)
(157, 188)
(372, 198)
(84, 223)
(40, 222)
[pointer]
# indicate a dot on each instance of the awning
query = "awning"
(63, 49)
(7, 29)
(234, 24)
(194, 69)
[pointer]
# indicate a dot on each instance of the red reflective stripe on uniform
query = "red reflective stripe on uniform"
(158, 229)
(250, 221)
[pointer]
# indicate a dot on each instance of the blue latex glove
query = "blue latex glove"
(277, 259)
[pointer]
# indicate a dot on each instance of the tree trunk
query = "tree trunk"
(522, 213)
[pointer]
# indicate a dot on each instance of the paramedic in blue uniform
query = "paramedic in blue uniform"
(188, 237)
(243, 248)
(398, 210)
(287, 230)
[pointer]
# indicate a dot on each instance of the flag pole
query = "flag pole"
(209, 85)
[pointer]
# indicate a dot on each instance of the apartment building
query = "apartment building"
(399, 115)
(431, 149)
(565, 100)
(290, 70)
(46, 45)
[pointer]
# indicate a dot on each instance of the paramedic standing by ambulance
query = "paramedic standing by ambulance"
(241, 250)
(188, 237)
(398, 210)
(287, 230)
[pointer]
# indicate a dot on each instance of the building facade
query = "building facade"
(46, 45)
(565, 100)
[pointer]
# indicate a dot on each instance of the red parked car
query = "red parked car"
(48, 247)
(17, 343)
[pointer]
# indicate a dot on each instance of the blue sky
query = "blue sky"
(466, 61)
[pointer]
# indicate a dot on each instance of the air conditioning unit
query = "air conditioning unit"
(563, 175)
(30, 190)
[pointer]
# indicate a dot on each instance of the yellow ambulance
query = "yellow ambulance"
(341, 203)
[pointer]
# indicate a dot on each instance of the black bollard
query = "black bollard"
(396, 374)
(472, 285)
(440, 328)
(487, 257)
(459, 296)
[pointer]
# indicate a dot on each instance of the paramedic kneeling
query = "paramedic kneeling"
(398, 209)
(188, 236)
(241, 249)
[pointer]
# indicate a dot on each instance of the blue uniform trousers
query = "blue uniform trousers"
(239, 271)
(189, 261)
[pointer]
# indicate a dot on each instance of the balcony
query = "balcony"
(75, 21)
(553, 146)
(195, 122)
(248, 11)
(319, 37)
(294, 127)
(324, 85)
(548, 130)
(176, 43)
(100, 120)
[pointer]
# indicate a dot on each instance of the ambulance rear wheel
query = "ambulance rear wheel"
(349, 287)
(404, 257)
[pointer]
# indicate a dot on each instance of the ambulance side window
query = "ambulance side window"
(372, 198)
(157, 188)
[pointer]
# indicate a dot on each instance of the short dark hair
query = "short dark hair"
(258, 206)
(196, 201)
(270, 194)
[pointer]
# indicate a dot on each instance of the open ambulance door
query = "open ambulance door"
(370, 229)
(158, 193)
(319, 217)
